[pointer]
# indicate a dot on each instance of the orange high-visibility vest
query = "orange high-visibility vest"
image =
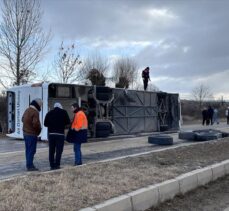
(80, 121)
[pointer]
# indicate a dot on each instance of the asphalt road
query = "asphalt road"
(12, 159)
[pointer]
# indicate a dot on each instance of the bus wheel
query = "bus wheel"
(103, 129)
(163, 128)
(190, 136)
(160, 140)
(102, 133)
(103, 126)
(207, 136)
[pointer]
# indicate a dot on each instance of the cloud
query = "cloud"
(109, 20)
(182, 41)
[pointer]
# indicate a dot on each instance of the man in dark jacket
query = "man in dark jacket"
(31, 129)
(205, 116)
(56, 120)
(145, 77)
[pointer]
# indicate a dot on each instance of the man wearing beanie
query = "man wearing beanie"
(31, 130)
(56, 120)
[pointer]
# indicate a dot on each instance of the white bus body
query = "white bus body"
(120, 111)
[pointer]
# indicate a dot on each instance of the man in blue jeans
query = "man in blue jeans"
(79, 126)
(78, 154)
(31, 130)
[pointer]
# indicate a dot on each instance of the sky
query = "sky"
(185, 43)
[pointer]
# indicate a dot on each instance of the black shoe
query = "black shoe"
(32, 169)
(79, 164)
(54, 168)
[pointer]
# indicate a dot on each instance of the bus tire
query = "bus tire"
(100, 126)
(163, 128)
(190, 136)
(225, 134)
(160, 140)
(103, 89)
(103, 93)
(207, 131)
(102, 133)
(103, 96)
(207, 136)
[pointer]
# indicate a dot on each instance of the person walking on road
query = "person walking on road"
(80, 126)
(56, 120)
(145, 77)
(31, 130)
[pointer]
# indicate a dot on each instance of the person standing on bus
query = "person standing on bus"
(80, 126)
(31, 130)
(145, 77)
(56, 120)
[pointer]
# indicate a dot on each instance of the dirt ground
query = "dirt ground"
(212, 197)
(75, 188)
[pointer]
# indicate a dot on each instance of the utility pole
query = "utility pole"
(222, 102)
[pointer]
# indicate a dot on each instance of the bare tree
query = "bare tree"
(94, 69)
(201, 93)
(22, 40)
(125, 72)
(66, 64)
(47, 74)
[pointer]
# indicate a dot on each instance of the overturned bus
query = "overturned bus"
(110, 111)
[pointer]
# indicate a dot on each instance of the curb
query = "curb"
(153, 195)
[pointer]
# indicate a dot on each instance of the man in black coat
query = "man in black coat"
(56, 120)
(210, 114)
(145, 77)
(205, 116)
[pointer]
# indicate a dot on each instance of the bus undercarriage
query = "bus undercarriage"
(113, 111)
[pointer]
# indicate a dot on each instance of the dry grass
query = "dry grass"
(75, 188)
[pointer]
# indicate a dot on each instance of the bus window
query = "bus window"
(11, 112)
(64, 91)
(60, 91)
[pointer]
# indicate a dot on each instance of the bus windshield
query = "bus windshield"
(11, 112)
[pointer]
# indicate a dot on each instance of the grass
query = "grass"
(75, 188)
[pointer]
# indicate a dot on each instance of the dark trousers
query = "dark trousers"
(56, 146)
(203, 122)
(211, 120)
(78, 154)
(206, 120)
(228, 120)
(30, 149)
(145, 82)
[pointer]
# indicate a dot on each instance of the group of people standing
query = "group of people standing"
(56, 120)
(210, 116)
